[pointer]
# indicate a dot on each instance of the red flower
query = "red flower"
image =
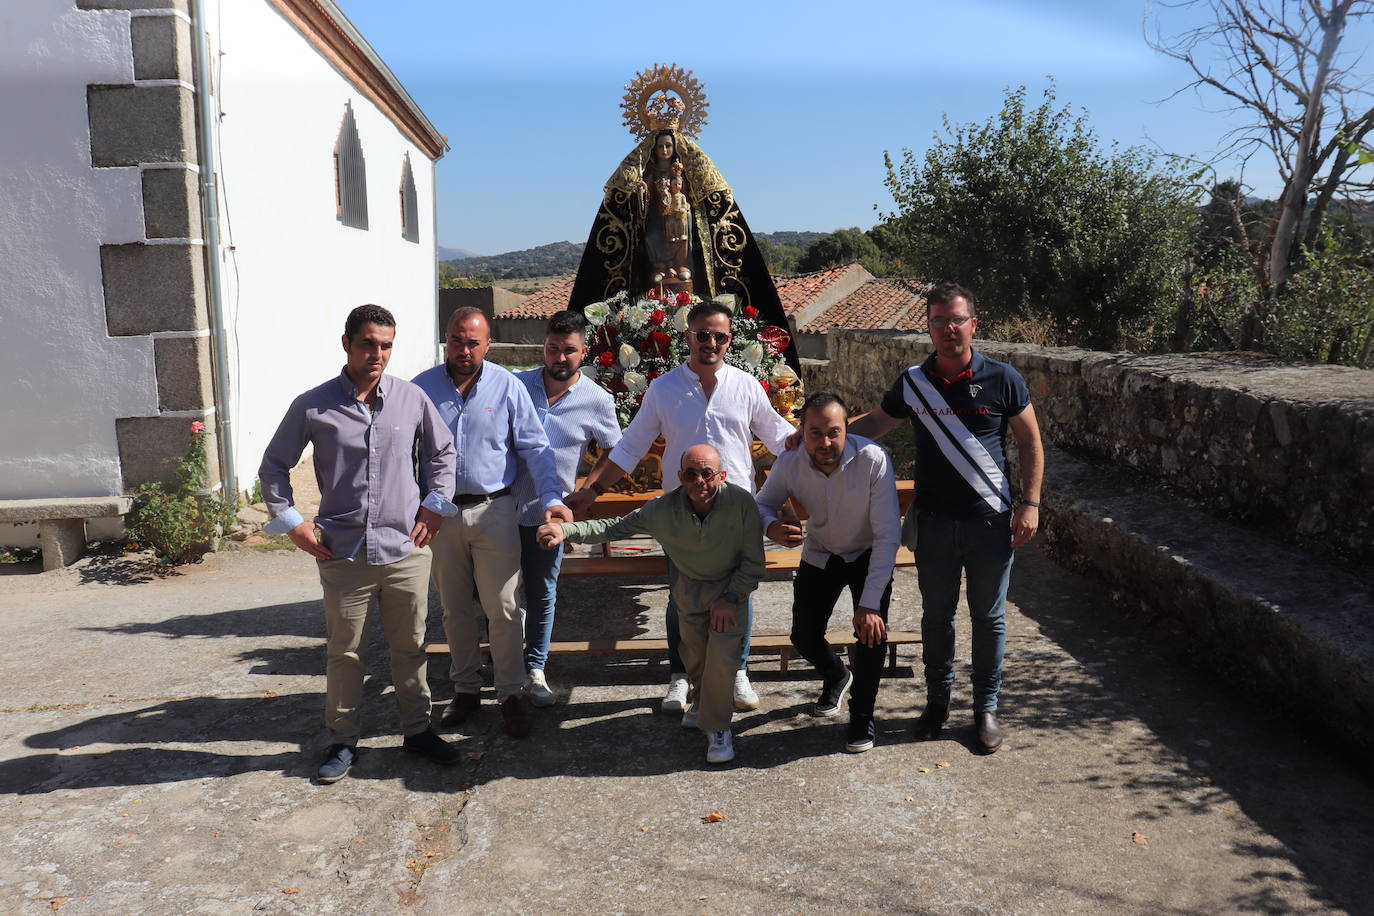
(652, 375)
(652, 294)
(657, 316)
(683, 298)
(750, 312)
(197, 427)
(639, 399)
(656, 343)
(764, 383)
(775, 337)
(606, 359)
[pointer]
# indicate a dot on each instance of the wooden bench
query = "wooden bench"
(625, 567)
(758, 645)
(62, 522)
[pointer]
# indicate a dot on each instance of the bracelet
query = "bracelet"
(1031, 503)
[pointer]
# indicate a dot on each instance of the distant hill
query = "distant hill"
(453, 254)
(563, 257)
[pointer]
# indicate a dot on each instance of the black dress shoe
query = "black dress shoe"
(987, 731)
(428, 744)
(927, 728)
(459, 708)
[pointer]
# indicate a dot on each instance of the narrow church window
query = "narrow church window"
(410, 223)
(350, 174)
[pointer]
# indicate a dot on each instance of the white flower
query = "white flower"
(680, 319)
(596, 314)
(629, 356)
(636, 382)
(635, 316)
(752, 355)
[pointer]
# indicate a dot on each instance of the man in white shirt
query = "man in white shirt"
(848, 488)
(702, 401)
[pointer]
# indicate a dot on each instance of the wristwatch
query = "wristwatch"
(731, 597)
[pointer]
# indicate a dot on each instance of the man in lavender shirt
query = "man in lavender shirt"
(374, 528)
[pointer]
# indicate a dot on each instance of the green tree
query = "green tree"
(841, 247)
(780, 258)
(1030, 213)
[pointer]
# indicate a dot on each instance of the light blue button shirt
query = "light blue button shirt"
(585, 413)
(495, 432)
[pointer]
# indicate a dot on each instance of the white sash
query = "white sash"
(960, 447)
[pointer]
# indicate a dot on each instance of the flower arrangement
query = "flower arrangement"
(634, 342)
(181, 522)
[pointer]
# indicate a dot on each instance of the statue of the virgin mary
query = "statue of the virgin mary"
(668, 220)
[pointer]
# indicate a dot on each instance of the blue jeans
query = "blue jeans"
(675, 665)
(539, 570)
(945, 548)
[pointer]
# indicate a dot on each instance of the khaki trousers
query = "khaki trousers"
(402, 592)
(481, 547)
(711, 658)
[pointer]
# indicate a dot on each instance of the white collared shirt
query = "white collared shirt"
(676, 407)
(852, 509)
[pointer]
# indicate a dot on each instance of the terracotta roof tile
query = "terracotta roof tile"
(877, 304)
(550, 299)
(799, 291)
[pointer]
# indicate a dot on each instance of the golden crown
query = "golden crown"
(664, 97)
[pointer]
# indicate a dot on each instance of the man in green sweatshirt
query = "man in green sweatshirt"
(712, 532)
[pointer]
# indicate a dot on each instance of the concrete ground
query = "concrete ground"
(158, 738)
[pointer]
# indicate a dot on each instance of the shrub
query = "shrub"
(179, 523)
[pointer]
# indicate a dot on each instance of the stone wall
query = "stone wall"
(1285, 448)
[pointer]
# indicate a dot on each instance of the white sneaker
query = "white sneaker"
(692, 716)
(745, 697)
(676, 698)
(721, 748)
(537, 689)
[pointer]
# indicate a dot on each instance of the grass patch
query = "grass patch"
(274, 542)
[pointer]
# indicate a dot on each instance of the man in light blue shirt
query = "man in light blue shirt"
(496, 432)
(574, 411)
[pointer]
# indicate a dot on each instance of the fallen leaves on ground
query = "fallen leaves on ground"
(923, 769)
(714, 817)
(1140, 839)
(942, 766)
(56, 903)
(291, 890)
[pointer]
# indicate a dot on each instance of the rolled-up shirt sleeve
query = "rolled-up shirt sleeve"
(640, 434)
(885, 516)
(283, 453)
(532, 447)
(437, 451)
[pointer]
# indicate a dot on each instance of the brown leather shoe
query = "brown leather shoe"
(927, 728)
(517, 718)
(459, 708)
(988, 733)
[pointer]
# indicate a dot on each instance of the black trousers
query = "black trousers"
(814, 593)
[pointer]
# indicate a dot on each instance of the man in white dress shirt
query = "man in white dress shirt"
(702, 401)
(847, 485)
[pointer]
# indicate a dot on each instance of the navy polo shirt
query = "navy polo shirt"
(984, 398)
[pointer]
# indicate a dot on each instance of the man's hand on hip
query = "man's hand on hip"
(426, 526)
(303, 536)
(723, 613)
(870, 627)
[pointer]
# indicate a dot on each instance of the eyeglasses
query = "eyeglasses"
(705, 475)
(708, 336)
(957, 321)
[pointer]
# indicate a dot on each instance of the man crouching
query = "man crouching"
(713, 534)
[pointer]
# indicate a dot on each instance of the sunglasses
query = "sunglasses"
(708, 336)
(692, 475)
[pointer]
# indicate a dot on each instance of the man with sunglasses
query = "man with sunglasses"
(961, 405)
(713, 534)
(704, 400)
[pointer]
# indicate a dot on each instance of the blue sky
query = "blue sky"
(805, 96)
